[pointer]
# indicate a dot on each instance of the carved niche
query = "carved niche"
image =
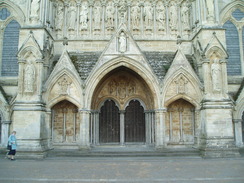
(29, 73)
(64, 85)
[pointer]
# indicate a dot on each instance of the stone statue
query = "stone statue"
(110, 15)
(71, 16)
(160, 16)
(148, 13)
(29, 78)
(210, 9)
(173, 16)
(185, 17)
(35, 7)
(64, 84)
(135, 17)
(97, 16)
(122, 12)
(84, 16)
(59, 17)
(216, 75)
(122, 42)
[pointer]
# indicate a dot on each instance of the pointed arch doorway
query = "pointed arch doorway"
(121, 112)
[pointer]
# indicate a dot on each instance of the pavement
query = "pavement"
(122, 170)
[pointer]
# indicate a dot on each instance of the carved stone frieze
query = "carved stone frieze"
(84, 18)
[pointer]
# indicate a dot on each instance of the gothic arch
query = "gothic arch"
(113, 99)
(218, 51)
(226, 13)
(147, 76)
(194, 97)
(16, 12)
(52, 97)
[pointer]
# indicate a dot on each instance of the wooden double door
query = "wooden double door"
(126, 126)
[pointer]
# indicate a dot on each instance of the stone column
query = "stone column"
(141, 18)
(5, 132)
(160, 120)
(91, 5)
(122, 127)
(21, 76)
(39, 79)
(238, 132)
(84, 128)
(206, 74)
(78, 19)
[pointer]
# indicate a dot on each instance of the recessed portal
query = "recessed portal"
(134, 122)
(65, 123)
(109, 123)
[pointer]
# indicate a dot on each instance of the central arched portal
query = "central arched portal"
(122, 110)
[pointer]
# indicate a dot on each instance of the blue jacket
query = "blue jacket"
(12, 141)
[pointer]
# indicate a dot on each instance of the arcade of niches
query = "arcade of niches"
(80, 74)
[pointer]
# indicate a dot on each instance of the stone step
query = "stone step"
(109, 152)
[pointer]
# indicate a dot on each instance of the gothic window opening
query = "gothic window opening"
(233, 33)
(65, 123)
(180, 121)
(134, 122)
(109, 123)
(10, 49)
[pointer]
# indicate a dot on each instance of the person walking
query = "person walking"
(12, 141)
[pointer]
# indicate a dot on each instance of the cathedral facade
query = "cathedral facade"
(80, 74)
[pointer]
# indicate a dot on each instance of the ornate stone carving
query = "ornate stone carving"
(181, 84)
(64, 85)
(148, 13)
(29, 78)
(216, 75)
(34, 11)
(135, 17)
(185, 17)
(122, 42)
(110, 10)
(97, 16)
(210, 9)
(173, 18)
(122, 12)
(71, 23)
(84, 16)
(160, 16)
(59, 17)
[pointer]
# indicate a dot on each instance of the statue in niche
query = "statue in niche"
(110, 15)
(35, 7)
(64, 84)
(160, 16)
(72, 16)
(173, 17)
(131, 88)
(210, 9)
(122, 42)
(84, 16)
(185, 17)
(122, 89)
(29, 75)
(181, 85)
(216, 75)
(122, 12)
(148, 13)
(97, 16)
(112, 86)
(59, 17)
(135, 17)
